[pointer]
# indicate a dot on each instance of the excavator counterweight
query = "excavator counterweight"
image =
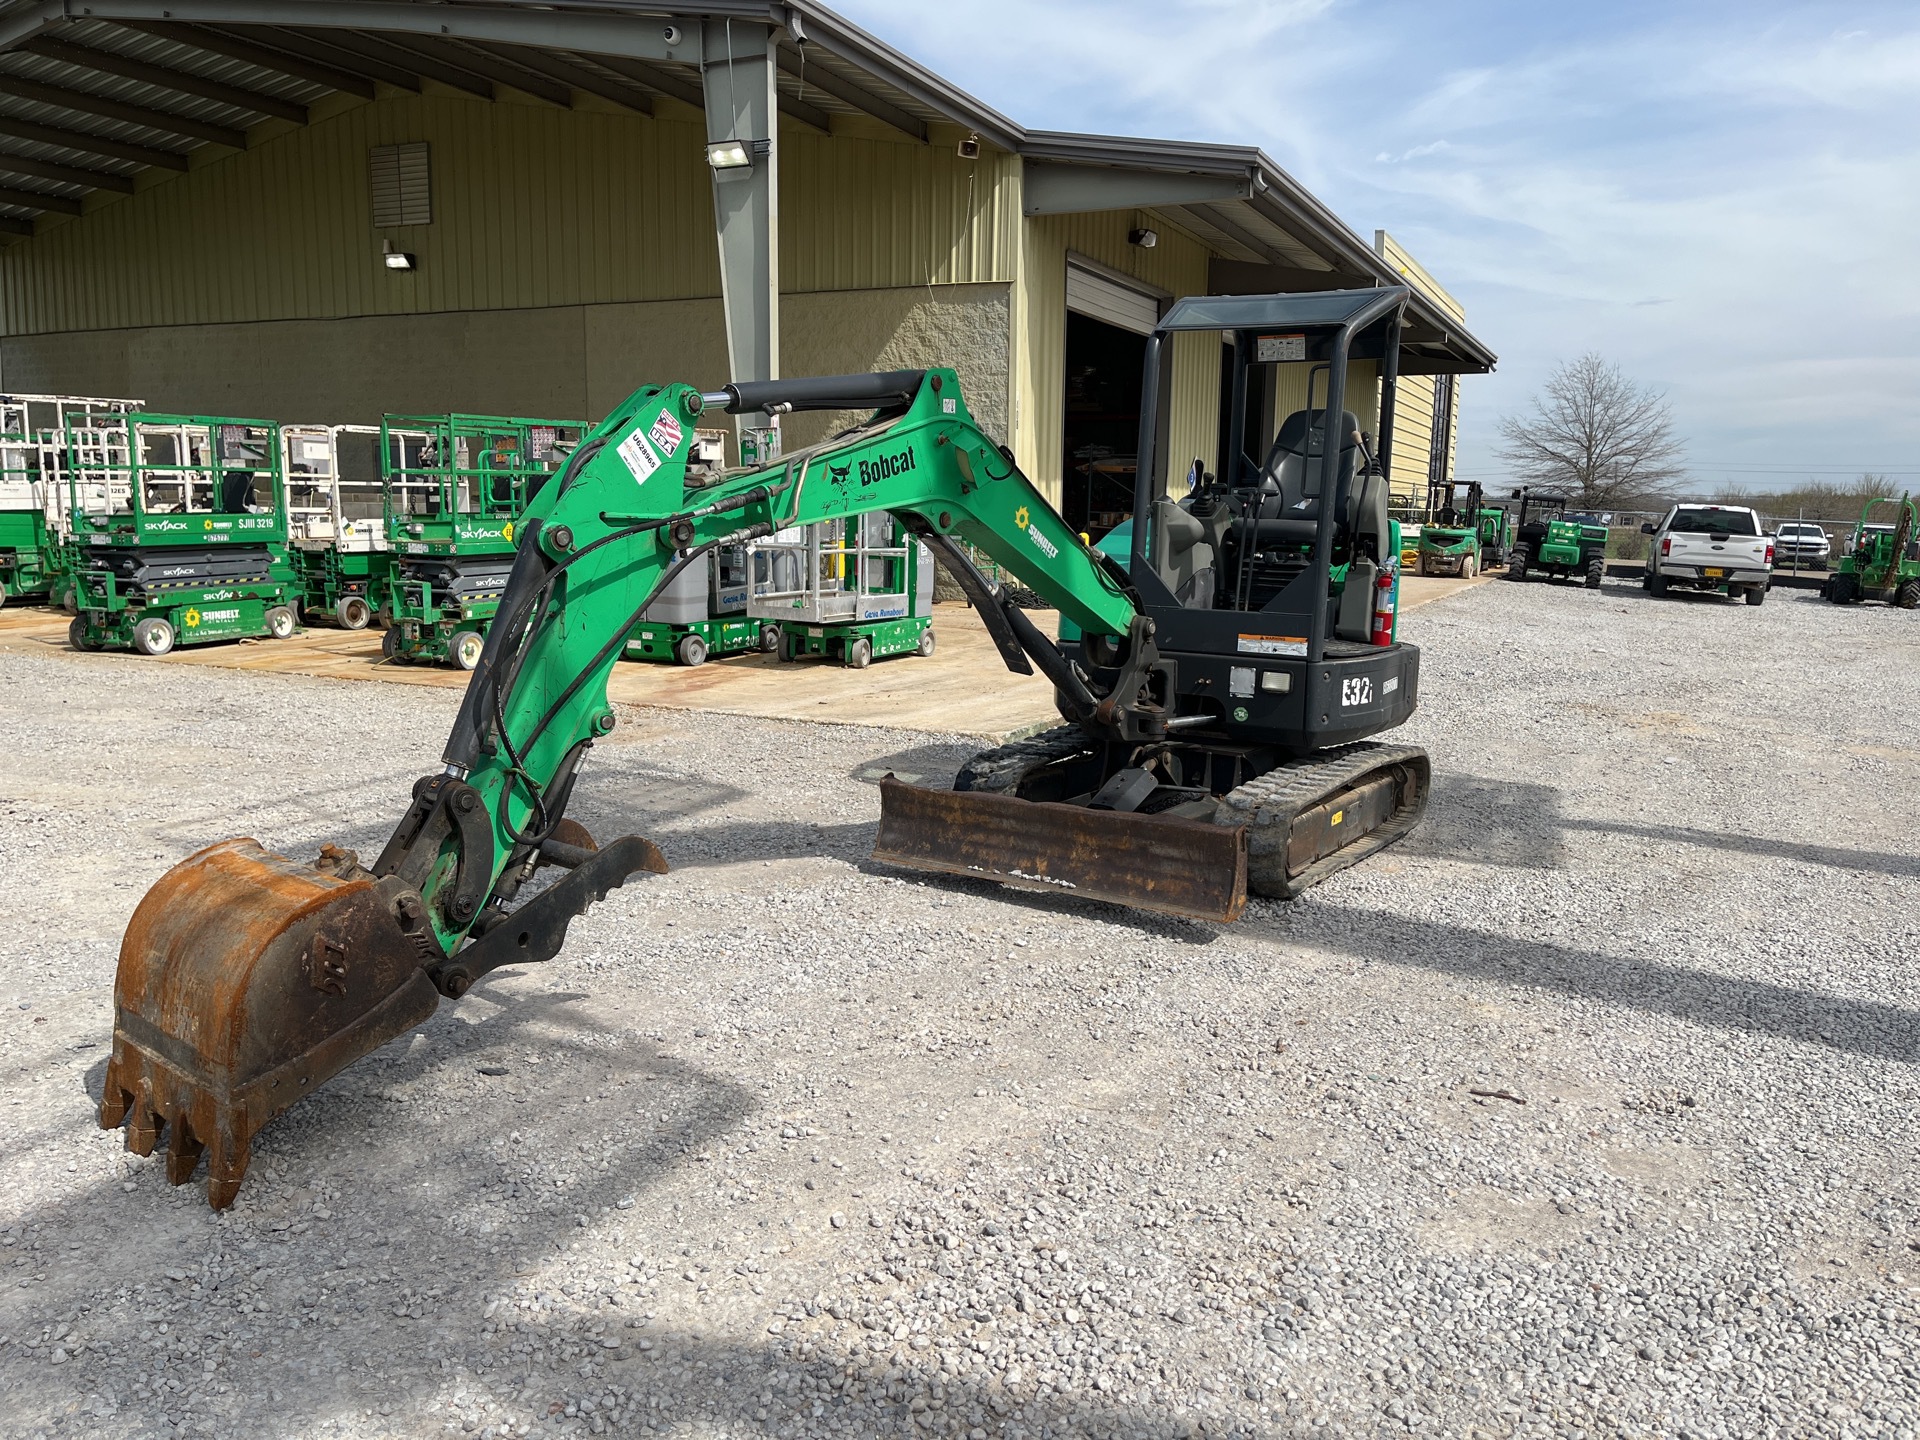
(1220, 667)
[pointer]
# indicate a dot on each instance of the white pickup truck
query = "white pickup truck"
(1710, 547)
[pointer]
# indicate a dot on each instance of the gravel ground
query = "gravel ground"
(1587, 1111)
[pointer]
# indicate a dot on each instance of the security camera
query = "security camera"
(671, 34)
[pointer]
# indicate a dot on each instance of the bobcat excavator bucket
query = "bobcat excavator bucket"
(245, 981)
(1150, 862)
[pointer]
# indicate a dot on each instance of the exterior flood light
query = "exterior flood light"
(1145, 239)
(397, 259)
(736, 154)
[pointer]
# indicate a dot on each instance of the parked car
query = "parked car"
(1801, 544)
(1710, 547)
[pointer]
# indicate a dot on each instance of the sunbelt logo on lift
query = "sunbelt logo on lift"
(1046, 547)
(872, 472)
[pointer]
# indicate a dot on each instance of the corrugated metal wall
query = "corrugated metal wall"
(533, 206)
(1414, 416)
(1178, 265)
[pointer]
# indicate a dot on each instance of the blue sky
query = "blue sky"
(1724, 199)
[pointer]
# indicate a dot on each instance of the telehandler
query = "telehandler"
(1217, 707)
(1882, 563)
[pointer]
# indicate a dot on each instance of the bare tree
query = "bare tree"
(1596, 434)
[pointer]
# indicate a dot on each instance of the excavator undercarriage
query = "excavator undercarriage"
(1218, 691)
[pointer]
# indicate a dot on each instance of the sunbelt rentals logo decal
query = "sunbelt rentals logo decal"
(192, 619)
(1024, 519)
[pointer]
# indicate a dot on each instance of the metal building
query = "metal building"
(327, 209)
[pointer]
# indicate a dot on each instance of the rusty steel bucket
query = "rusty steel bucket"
(245, 981)
(1168, 864)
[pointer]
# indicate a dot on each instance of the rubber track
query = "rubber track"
(1269, 805)
(1001, 770)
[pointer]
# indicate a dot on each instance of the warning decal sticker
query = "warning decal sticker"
(1273, 644)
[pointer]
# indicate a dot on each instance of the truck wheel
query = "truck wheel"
(770, 639)
(153, 636)
(353, 612)
(1844, 588)
(1907, 597)
(279, 622)
(691, 650)
(463, 649)
(859, 653)
(1517, 566)
(925, 647)
(1657, 583)
(77, 634)
(1596, 572)
(1757, 595)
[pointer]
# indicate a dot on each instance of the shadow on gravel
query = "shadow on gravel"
(1491, 822)
(1840, 858)
(1755, 1007)
(444, 1189)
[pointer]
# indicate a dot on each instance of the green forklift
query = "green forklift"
(180, 533)
(1549, 540)
(1462, 538)
(1883, 562)
(453, 487)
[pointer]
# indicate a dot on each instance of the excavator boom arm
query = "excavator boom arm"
(596, 547)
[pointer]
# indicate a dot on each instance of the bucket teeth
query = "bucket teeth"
(183, 1151)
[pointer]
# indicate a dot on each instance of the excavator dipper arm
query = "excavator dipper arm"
(246, 979)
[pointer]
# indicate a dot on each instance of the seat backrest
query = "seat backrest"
(1294, 461)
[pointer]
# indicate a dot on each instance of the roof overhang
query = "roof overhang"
(93, 92)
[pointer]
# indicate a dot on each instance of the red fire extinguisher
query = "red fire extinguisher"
(1383, 607)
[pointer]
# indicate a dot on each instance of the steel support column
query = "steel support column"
(738, 70)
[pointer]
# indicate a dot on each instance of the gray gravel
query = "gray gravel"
(1590, 1110)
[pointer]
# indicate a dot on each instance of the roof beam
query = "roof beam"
(399, 53)
(36, 200)
(1236, 233)
(794, 63)
(89, 104)
(333, 49)
(12, 164)
(1051, 188)
(167, 78)
(568, 72)
(485, 64)
(296, 67)
(796, 109)
(595, 33)
(14, 225)
(687, 92)
(87, 144)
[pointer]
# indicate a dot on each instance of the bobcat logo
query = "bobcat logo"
(841, 476)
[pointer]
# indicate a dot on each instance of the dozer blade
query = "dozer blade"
(1175, 866)
(245, 981)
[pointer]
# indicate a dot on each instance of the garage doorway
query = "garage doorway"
(1107, 325)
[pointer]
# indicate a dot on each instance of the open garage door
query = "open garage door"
(1108, 320)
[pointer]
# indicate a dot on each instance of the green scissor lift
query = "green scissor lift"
(453, 486)
(854, 590)
(1883, 562)
(179, 530)
(337, 516)
(35, 555)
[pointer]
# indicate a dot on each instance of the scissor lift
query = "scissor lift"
(336, 520)
(35, 507)
(855, 591)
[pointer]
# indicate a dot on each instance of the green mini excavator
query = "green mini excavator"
(1216, 706)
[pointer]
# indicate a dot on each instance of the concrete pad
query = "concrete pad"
(962, 687)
